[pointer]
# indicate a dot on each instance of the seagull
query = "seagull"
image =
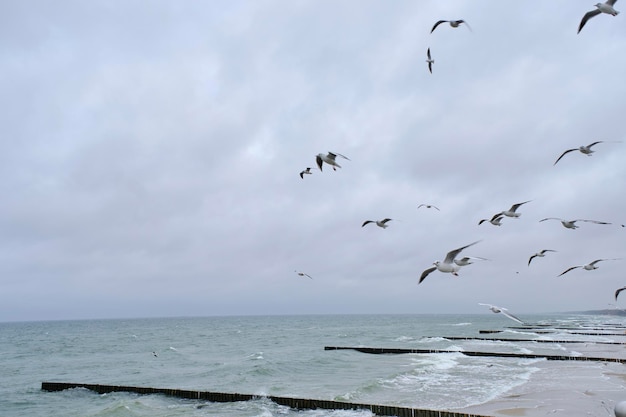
(569, 224)
(156, 355)
(447, 265)
(619, 290)
(606, 7)
(329, 158)
(379, 223)
(502, 310)
(583, 149)
(302, 274)
(512, 211)
(453, 23)
(306, 171)
(466, 260)
(428, 206)
(588, 267)
(430, 61)
(540, 254)
(496, 220)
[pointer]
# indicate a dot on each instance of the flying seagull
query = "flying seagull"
(512, 211)
(502, 310)
(539, 254)
(453, 23)
(588, 267)
(379, 223)
(606, 7)
(619, 290)
(430, 61)
(570, 224)
(302, 274)
(447, 265)
(428, 206)
(467, 260)
(306, 171)
(496, 220)
(329, 158)
(583, 149)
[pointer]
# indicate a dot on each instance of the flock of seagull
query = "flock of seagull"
(451, 264)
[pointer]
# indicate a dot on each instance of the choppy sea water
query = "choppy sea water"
(273, 355)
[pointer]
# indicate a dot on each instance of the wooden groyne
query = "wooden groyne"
(553, 331)
(296, 403)
(502, 339)
(378, 351)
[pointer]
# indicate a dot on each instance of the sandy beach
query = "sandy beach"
(566, 388)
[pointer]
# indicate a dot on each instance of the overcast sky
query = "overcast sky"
(150, 153)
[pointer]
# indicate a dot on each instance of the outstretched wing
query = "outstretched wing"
(531, 258)
(511, 316)
(453, 253)
(367, 222)
(334, 155)
(563, 154)
(425, 274)
(588, 16)
(567, 270)
(516, 206)
(591, 221)
(437, 24)
(385, 220)
(619, 290)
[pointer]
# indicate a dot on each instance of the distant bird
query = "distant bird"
(302, 274)
(619, 290)
(428, 206)
(156, 355)
(583, 149)
(467, 260)
(588, 267)
(606, 7)
(496, 220)
(379, 223)
(329, 158)
(453, 23)
(512, 211)
(306, 171)
(430, 61)
(539, 254)
(447, 265)
(570, 224)
(502, 310)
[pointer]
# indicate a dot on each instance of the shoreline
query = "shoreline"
(561, 389)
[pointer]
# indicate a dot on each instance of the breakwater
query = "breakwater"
(296, 403)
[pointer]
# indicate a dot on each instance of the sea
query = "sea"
(273, 356)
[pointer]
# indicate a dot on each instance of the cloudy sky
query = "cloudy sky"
(150, 156)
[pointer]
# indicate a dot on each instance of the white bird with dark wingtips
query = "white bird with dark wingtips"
(379, 223)
(496, 220)
(512, 211)
(586, 150)
(447, 265)
(502, 310)
(430, 61)
(467, 260)
(588, 267)
(570, 224)
(539, 254)
(428, 206)
(306, 171)
(453, 23)
(606, 7)
(329, 158)
(302, 274)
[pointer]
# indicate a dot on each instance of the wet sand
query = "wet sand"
(565, 388)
